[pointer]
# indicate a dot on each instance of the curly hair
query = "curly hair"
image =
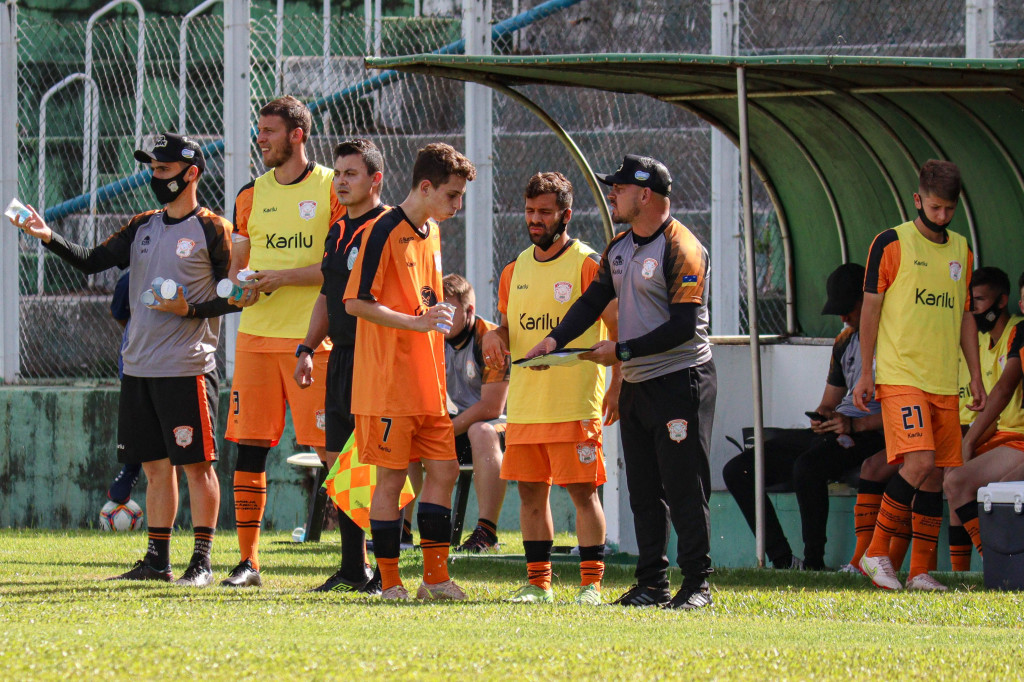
(439, 161)
(551, 183)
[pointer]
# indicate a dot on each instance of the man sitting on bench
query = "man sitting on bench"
(478, 393)
(840, 438)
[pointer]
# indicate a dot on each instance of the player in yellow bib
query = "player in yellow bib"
(284, 217)
(917, 307)
(994, 445)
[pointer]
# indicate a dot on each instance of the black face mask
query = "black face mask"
(547, 241)
(167, 191)
(934, 227)
(986, 321)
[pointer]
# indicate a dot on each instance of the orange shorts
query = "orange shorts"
(393, 442)
(262, 385)
(1009, 439)
(562, 453)
(915, 421)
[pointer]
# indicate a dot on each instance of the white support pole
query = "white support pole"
(479, 203)
(237, 126)
(279, 49)
(979, 29)
(755, 340)
(183, 63)
(725, 215)
(9, 290)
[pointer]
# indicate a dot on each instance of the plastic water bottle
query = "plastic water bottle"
(228, 289)
(17, 211)
(244, 275)
(156, 283)
(299, 534)
(147, 297)
(169, 289)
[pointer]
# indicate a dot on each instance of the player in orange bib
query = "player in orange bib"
(283, 218)
(398, 394)
(917, 307)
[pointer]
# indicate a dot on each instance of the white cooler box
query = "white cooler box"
(1001, 517)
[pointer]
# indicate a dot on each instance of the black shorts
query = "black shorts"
(464, 451)
(339, 422)
(167, 418)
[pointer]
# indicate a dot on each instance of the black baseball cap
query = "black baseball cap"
(171, 147)
(845, 286)
(642, 171)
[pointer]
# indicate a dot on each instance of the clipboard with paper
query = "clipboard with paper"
(563, 357)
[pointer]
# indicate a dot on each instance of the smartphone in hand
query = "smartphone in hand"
(814, 416)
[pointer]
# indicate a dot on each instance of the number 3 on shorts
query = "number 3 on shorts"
(387, 428)
(908, 413)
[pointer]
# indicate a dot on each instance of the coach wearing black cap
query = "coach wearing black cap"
(840, 438)
(168, 401)
(657, 270)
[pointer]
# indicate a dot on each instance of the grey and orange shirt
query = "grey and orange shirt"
(194, 251)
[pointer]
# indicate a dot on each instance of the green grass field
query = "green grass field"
(59, 619)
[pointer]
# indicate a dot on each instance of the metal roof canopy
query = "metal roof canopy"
(837, 142)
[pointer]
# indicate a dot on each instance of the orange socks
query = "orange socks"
(435, 524)
(960, 548)
(250, 501)
(389, 576)
(893, 514)
(539, 574)
(592, 565)
(927, 520)
(865, 513)
(435, 561)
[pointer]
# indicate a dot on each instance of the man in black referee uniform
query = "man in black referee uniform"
(358, 175)
(167, 407)
(657, 269)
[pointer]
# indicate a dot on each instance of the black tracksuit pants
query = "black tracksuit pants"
(809, 461)
(666, 435)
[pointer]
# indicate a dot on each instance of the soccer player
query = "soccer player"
(398, 394)
(917, 308)
(168, 398)
(657, 270)
(358, 176)
(811, 458)
(554, 417)
(478, 393)
(1001, 341)
(281, 224)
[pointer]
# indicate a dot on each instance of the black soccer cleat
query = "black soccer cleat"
(143, 571)
(243, 575)
(641, 595)
(198, 574)
(339, 583)
(690, 599)
(480, 540)
(372, 588)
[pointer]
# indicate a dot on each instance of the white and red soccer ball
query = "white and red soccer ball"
(120, 517)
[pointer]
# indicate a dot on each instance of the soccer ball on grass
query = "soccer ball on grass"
(116, 516)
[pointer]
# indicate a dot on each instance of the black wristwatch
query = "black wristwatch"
(303, 349)
(622, 352)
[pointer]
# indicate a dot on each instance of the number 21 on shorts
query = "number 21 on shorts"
(908, 413)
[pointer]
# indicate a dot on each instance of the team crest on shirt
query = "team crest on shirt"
(471, 368)
(307, 209)
(955, 270)
(428, 296)
(353, 253)
(587, 452)
(184, 247)
(183, 436)
(321, 420)
(648, 268)
(677, 430)
(563, 291)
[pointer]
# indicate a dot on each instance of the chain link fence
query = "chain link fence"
(66, 330)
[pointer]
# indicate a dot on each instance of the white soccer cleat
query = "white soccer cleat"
(395, 593)
(881, 572)
(925, 583)
(446, 590)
